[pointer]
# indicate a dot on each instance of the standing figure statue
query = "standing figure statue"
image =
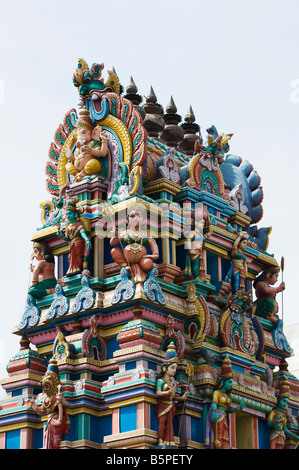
(217, 430)
(134, 255)
(266, 304)
(76, 232)
(277, 419)
(43, 273)
(238, 271)
(91, 145)
(194, 255)
(167, 394)
(53, 404)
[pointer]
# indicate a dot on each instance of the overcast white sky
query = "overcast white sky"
(235, 62)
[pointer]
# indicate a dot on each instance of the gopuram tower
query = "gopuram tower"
(152, 319)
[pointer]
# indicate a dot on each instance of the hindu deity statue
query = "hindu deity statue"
(167, 393)
(238, 271)
(76, 232)
(266, 304)
(134, 255)
(52, 403)
(194, 256)
(91, 146)
(43, 277)
(277, 418)
(217, 430)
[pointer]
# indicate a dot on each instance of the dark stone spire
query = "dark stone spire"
(172, 133)
(133, 96)
(191, 133)
(153, 121)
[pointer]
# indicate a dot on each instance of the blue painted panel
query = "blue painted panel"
(72, 435)
(37, 439)
(128, 418)
(264, 433)
(13, 439)
(100, 427)
(112, 345)
(131, 365)
(212, 269)
(153, 418)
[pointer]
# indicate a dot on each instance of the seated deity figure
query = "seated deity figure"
(91, 146)
(43, 276)
(134, 255)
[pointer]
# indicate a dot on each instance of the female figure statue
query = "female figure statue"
(238, 271)
(43, 279)
(217, 431)
(277, 419)
(194, 245)
(134, 255)
(53, 404)
(91, 145)
(166, 392)
(76, 233)
(266, 305)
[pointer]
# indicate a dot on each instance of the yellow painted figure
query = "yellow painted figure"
(91, 146)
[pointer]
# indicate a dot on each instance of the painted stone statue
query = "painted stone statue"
(43, 272)
(167, 394)
(237, 273)
(266, 304)
(195, 262)
(217, 431)
(54, 405)
(76, 232)
(277, 419)
(91, 146)
(134, 256)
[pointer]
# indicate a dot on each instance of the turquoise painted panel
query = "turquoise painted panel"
(13, 439)
(128, 418)
(196, 430)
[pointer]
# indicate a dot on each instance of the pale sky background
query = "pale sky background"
(234, 61)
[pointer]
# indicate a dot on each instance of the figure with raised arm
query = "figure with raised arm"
(266, 304)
